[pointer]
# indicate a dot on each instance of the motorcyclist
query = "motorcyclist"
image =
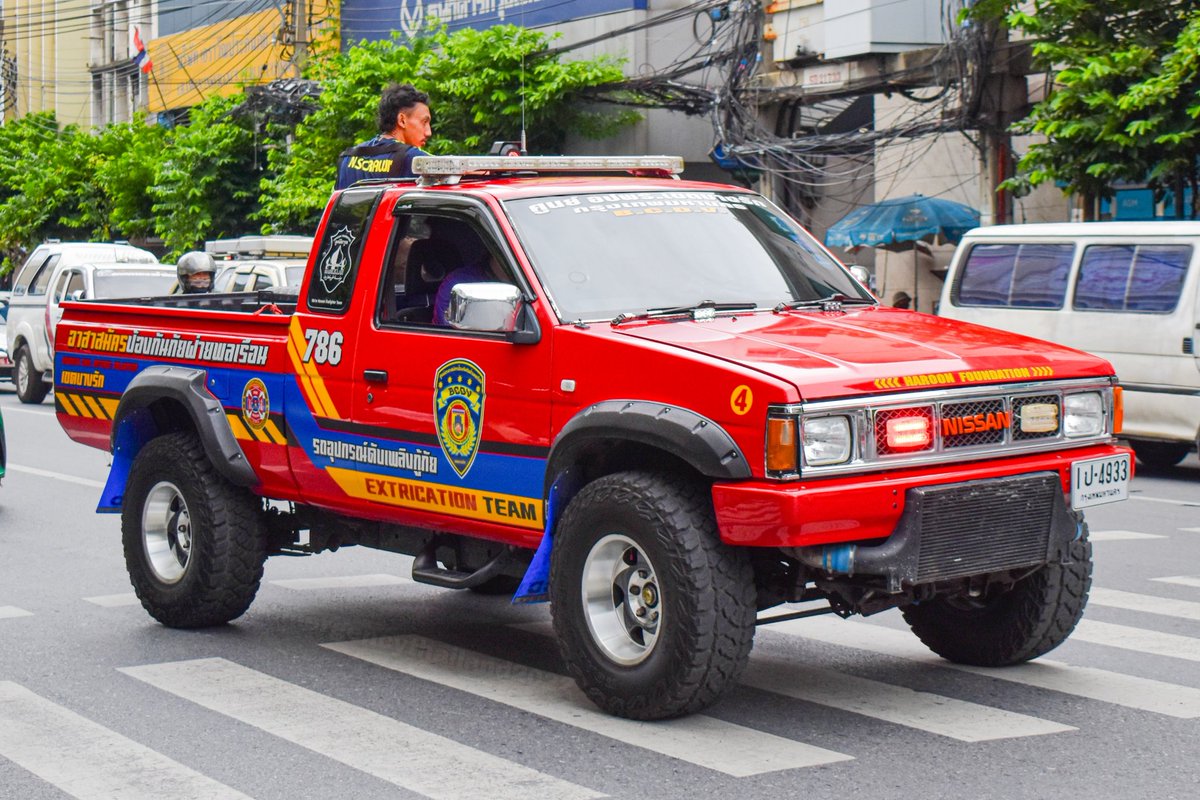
(195, 271)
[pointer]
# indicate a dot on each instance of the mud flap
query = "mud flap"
(535, 586)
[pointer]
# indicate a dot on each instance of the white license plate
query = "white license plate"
(1099, 480)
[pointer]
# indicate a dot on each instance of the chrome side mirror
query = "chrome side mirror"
(861, 274)
(484, 307)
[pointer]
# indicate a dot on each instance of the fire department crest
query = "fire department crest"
(256, 405)
(335, 265)
(458, 411)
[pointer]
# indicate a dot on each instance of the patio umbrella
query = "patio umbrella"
(900, 222)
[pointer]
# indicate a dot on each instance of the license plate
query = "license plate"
(1099, 480)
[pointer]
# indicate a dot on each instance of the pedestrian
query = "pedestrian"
(195, 272)
(404, 127)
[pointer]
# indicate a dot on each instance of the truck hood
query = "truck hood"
(870, 350)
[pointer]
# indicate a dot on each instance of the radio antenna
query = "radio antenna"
(524, 145)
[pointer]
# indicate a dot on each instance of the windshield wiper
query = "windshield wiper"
(833, 302)
(706, 309)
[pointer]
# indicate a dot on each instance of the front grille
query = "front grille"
(984, 526)
(973, 424)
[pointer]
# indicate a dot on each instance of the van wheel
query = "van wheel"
(1160, 455)
(654, 614)
(1001, 628)
(30, 386)
(194, 543)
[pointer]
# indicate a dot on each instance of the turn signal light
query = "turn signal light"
(1118, 409)
(781, 444)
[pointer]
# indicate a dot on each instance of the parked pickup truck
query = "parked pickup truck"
(660, 404)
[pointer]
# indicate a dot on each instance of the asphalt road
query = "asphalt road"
(345, 679)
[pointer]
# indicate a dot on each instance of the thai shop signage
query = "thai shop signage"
(376, 19)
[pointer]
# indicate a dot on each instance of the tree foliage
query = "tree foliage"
(1125, 101)
(476, 81)
(222, 173)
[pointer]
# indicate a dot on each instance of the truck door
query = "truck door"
(455, 423)
(69, 286)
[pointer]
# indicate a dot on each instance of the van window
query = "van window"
(1132, 277)
(1015, 275)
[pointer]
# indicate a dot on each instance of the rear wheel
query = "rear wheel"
(30, 386)
(194, 543)
(1031, 618)
(1160, 455)
(654, 614)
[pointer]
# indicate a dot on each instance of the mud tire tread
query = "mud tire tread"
(711, 599)
(229, 544)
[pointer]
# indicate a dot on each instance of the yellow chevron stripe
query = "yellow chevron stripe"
(66, 404)
(311, 379)
(273, 434)
(239, 430)
(94, 407)
(109, 405)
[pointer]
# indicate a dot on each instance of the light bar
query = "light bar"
(463, 165)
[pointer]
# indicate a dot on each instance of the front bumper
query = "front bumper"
(803, 513)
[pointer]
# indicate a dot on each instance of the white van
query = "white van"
(1126, 291)
(58, 271)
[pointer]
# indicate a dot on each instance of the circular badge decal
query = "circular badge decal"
(741, 400)
(256, 405)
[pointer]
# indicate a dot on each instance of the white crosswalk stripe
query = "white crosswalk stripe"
(341, 582)
(1149, 604)
(1181, 580)
(386, 748)
(1140, 640)
(1122, 536)
(12, 612)
(1110, 687)
(945, 716)
(699, 739)
(114, 600)
(87, 760)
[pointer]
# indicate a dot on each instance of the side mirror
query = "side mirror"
(484, 307)
(861, 274)
(78, 294)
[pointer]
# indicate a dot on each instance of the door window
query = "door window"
(1146, 278)
(1015, 275)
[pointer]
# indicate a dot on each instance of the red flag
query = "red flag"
(141, 58)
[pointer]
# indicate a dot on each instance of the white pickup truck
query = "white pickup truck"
(58, 271)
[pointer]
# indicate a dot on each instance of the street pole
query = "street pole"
(300, 30)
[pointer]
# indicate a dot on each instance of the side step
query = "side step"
(426, 570)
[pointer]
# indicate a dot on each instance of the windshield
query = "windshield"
(112, 283)
(600, 255)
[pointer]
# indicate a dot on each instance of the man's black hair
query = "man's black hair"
(396, 98)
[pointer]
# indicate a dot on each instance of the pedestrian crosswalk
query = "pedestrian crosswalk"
(50, 735)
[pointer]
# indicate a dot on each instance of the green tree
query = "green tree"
(1124, 101)
(475, 80)
(206, 184)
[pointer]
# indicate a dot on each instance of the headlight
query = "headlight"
(826, 440)
(1083, 414)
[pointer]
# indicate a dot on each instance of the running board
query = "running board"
(425, 569)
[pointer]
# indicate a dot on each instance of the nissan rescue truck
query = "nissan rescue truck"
(659, 404)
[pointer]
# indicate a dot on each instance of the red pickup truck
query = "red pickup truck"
(661, 404)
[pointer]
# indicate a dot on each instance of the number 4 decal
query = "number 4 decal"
(324, 347)
(741, 400)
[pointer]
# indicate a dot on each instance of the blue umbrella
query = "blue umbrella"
(889, 223)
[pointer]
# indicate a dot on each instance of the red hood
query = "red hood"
(834, 354)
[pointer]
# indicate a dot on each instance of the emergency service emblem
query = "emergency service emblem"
(335, 266)
(256, 404)
(458, 411)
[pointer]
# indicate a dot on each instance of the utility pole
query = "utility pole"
(299, 34)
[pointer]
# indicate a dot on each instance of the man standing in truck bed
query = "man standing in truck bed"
(404, 127)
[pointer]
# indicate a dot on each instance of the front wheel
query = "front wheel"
(194, 543)
(1031, 618)
(31, 388)
(655, 615)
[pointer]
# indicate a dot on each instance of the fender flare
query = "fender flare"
(685, 434)
(133, 426)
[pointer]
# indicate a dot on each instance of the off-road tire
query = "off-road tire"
(31, 388)
(1160, 455)
(705, 588)
(228, 541)
(1032, 618)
